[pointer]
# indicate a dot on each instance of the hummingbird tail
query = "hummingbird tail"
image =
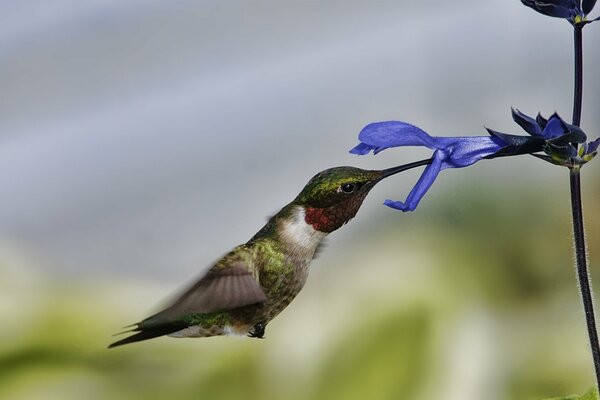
(145, 335)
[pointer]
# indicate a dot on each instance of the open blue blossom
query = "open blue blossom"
(553, 136)
(450, 152)
(575, 11)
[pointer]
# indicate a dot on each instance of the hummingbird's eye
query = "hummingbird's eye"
(348, 187)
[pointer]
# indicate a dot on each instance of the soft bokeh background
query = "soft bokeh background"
(142, 139)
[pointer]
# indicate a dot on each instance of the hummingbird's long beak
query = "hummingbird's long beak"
(391, 171)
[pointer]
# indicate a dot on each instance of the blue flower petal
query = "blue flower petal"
(515, 145)
(361, 149)
(529, 124)
(461, 151)
(467, 150)
(587, 6)
(592, 146)
(576, 134)
(422, 186)
(554, 8)
(541, 121)
(383, 135)
(555, 127)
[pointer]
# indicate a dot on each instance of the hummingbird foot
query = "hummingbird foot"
(257, 331)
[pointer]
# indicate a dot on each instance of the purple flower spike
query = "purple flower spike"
(450, 152)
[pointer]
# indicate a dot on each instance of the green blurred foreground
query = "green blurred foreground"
(473, 297)
(592, 394)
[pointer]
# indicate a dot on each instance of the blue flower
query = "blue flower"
(563, 144)
(575, 11)
(450, 152)
(553, 136)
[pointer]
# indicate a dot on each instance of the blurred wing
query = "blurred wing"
(222, 288)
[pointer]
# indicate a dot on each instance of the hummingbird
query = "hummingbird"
(244, 290)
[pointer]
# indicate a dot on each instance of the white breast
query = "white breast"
(295, 232)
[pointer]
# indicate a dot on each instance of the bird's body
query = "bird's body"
(243, 291)
(279, 258)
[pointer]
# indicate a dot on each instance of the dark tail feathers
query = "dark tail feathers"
(147, 334)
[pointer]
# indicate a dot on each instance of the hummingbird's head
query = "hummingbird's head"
(332, 197)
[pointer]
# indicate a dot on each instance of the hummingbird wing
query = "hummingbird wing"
(224, 287)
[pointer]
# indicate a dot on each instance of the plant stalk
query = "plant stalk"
(578, 87)
(585, 287)
(582, 269)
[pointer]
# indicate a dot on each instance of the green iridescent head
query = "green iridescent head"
(340, 184)
(337, 185)
(332, 197)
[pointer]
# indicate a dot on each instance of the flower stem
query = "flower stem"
(578, 228)
(582, 270)
(578, 91)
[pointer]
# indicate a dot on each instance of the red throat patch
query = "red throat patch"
(328, 219)
(318, 219)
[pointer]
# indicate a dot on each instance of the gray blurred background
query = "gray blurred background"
(142, 139)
